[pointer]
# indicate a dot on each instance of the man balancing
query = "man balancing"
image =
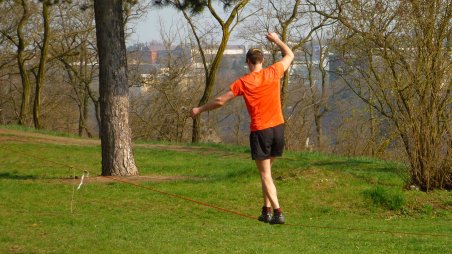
(261, 90)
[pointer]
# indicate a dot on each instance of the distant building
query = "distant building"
(150, 56)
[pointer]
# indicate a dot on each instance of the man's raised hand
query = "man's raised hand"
(273, 37)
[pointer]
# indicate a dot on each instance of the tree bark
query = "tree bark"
(26, 87)
(210, 83)
(117, 156)
(40, 78)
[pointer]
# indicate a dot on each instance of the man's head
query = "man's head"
(254, 56)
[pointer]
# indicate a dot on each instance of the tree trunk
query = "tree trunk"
(323, 102)
(96, 103)
(285, 80)
(26, 87)
(42, 67)
(211, 71)
(196, 135)
(210, 83)
(117, 156)
(84, 86)
(373, 128)
(284, 88)
(81, 121)
(85, 115)
(319, 130)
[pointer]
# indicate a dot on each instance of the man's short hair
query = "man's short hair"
(255, 55)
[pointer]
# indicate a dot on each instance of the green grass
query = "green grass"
(380, 196)
(322, 196)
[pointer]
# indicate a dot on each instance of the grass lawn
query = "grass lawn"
(332, 204)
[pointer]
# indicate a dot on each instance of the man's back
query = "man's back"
(261, 91)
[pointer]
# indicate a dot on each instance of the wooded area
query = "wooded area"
(370, 78)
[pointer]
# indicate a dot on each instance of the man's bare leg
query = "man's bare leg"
(268, 187)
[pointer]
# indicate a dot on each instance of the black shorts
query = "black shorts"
(267, 143)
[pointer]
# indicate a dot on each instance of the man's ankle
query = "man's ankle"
(266, 209)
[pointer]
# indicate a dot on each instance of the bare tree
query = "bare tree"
(166, 89)
(31, 51)
(75, 35)
(41, 68)
(316, 61)
(398, 61)
(10, 90)
(15, 32)
(226, 24)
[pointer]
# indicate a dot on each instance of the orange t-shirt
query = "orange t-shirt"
(261, 91)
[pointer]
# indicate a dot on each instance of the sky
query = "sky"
(148, 27)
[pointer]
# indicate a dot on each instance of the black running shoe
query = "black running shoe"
(265, 215)
(277, 219)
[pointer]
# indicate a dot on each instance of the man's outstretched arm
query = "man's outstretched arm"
(288, 55)
(216, 103)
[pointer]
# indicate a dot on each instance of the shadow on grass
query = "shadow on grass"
(12, 176)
